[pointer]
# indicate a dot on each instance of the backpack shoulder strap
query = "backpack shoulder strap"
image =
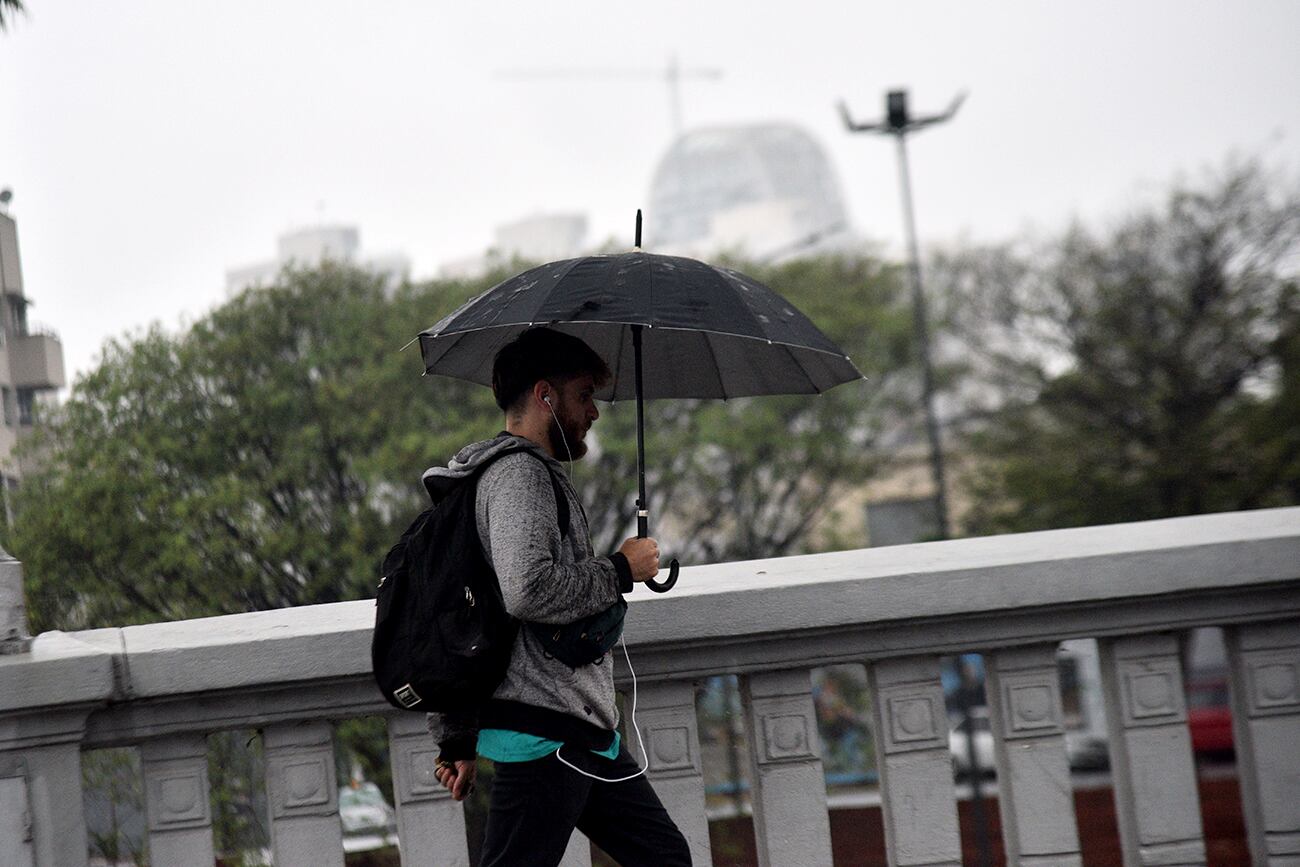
(561, 504)
(561, 499)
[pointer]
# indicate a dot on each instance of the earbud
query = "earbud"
(547, 400)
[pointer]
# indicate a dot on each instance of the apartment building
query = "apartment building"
(31, 358)
(312, 246)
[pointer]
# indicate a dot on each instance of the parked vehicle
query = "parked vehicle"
(368, 820)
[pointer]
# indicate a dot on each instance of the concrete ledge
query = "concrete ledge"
(968, 576)
(285, 646)
(132, 722)
(942, 596)
(59, 671)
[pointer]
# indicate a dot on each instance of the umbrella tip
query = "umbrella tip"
(638, 228)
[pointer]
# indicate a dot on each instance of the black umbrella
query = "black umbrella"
(666, 325)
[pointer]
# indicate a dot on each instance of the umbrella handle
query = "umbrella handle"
(665, 586)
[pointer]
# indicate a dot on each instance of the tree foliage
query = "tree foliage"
(268, 455)
(7, 10)
(258, 460)
(1147, 372)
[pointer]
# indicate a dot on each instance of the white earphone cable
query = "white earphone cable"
(573, 470)
(621, 642)
(635, 728)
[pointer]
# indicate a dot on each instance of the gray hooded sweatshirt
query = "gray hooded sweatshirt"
(545, 577)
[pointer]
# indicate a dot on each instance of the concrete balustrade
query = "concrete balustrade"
(1024, 697)
(789, 792)
(290, 674)
(304, 795)
(666, 718)
(430, 824)
(176, 800)
(1265, 660)
(1157, 805)
(15, 814)
(915, 767)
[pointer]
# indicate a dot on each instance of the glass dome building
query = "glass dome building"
(761, 189)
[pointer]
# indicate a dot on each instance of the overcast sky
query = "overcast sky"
(153, 144)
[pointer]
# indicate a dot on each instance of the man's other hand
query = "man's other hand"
(458, 777)
(642, 556)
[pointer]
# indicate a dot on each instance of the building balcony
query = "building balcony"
(36, 360)
(1136, 588)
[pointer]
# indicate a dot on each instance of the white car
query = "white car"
(368, 821)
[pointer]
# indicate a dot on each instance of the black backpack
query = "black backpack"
(443, 637)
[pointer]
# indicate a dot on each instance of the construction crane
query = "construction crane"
(672, 75)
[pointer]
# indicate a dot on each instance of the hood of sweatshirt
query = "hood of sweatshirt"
(439, 480)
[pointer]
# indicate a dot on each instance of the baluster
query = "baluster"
(1037, 802)
(54, 797)
(15, 814)
(176, 800)
(791, 825)
(1156, 800)
(304, 796)
(578, 854)
(1265, 661)
(666, 716)
(916, 791)
(431, 825)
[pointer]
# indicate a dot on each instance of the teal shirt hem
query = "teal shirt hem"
(504, 745)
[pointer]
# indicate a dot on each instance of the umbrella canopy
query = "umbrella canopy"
(707, 332)
(666, 326)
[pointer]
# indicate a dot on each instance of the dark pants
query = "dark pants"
(536, 805)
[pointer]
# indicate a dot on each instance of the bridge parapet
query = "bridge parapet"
(1135, 587)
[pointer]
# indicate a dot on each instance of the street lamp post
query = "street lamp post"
(898, 123)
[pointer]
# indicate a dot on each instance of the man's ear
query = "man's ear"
(543, 393)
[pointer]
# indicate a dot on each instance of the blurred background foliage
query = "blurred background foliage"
(1148, 370)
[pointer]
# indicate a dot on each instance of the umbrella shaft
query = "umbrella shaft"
(642, 518)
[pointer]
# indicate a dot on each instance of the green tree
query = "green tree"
(7, 10)
(1144, 373)
(262, 459)
(110, 780)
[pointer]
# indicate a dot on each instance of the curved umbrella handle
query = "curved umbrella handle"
(665, 586)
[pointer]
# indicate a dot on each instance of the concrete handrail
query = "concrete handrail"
(816, 609)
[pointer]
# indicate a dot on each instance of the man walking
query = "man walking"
(550, 729)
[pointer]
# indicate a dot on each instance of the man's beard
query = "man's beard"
(567, 445)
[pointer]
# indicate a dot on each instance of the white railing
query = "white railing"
(1136, 587)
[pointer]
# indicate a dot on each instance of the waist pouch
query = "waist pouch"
(585, 641)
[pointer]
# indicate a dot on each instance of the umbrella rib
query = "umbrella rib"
(455, 346)
(783, 343)
(650, 306)
(650, 286)
(722, 386)
(618, 363)
(835, 352)
(799, 364)
(572, 263)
